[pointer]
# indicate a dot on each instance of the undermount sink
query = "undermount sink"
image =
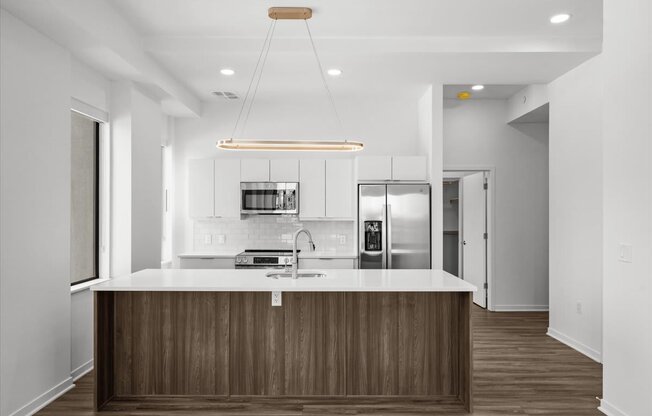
(301, 274)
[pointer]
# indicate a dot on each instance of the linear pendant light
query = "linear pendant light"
(290, 145)
(284, 13)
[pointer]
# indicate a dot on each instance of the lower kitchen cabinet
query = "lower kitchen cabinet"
(207, 263)
(327, 263)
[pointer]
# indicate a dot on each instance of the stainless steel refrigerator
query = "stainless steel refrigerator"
(394, 226)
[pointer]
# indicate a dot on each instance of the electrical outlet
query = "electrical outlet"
(286, 236)
(221, 238)
(208, 239)
(277, 298)
(578, 307)
(625, 253)
(342, 238)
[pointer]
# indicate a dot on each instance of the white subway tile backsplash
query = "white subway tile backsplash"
(263, 232)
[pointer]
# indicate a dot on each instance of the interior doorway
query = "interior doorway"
(466, 229)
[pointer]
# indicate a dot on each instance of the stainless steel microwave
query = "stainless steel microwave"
(269, 198)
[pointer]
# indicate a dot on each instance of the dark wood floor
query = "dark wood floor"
(518, 370)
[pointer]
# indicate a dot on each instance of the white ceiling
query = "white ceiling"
(385, 47)
(366, 18)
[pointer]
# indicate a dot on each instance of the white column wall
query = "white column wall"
(576, 208)
(34, 218)
(627, 343)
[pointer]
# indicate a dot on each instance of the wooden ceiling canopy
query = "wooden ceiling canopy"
(291, 13)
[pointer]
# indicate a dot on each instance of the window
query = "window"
(84, 199)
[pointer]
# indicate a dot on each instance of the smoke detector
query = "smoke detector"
(226, 95)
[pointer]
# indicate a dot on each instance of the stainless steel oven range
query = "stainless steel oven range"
(264, 259)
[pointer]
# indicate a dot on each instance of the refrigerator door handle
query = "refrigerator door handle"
(385, 228)
(389, 236)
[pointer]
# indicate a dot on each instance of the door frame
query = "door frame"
(448, 173)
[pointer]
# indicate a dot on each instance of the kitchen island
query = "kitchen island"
(203, 338)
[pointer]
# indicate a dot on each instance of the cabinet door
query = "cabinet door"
(374, 168)
(200, 188)
(254, 170)
(284, 170)
(327, 263)
(312, 188)
(207, 263)
(339, 188)
(409, 168)
(227, 188)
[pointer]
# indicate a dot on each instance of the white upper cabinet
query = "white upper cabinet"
(284, 170)
(339, 188)
(312, 188)
(409, 168)
(200, 188)
(254, 170)
(227, 188)
(388, 168)
(374, 168)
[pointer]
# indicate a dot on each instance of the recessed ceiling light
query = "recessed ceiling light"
(334, 72)
(560, 18)
(477, 87)
(227, 71)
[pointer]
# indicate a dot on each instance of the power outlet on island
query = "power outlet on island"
(277, 298)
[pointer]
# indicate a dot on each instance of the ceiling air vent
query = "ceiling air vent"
(226, 95)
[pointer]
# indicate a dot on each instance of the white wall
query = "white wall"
(576, 208)
(148, 124)
(120, 117)
(81, 334)
(138, 129)
(476, 135)
(387, 125)
(526, 100)
(34, 217)
(88, 86)
(627, 342)
(430, 144)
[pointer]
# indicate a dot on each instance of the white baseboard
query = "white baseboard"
(82, 370)
(576, 345)
(44, 399)
(610, 410)
(520, 308)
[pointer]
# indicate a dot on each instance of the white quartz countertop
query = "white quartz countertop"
(336, 280)
(302, 255)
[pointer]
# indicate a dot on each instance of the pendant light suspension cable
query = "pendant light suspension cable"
(253, 77)
(260, 76)
(323, 78)
(246, 108)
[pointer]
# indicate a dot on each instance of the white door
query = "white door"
(474, 251)
(254, 170)
(312, 188)
(227, 188)
(339, 188)
(374, 168)
(284, 170)
(200, 188)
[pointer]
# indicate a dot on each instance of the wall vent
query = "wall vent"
(226, 95)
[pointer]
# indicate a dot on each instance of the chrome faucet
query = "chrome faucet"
(295, 261)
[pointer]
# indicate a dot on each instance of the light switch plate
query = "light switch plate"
(625, 253)
(221, 238)
(277, 298)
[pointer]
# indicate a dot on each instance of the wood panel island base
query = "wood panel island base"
(356, 337)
